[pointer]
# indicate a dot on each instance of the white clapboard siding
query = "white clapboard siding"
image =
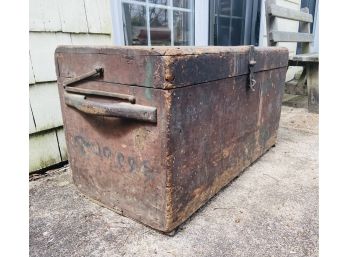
(77, 16)
(43, 150)
(42, 46)
(73, 16)
(62, 39)
(31, 73)
(98, 16)
(93, 15)
(90, 39)
(105, 17)
(36, 15)
(62, 144)
(45, 105)
(52, 20)
(44, 15)
(32, 128)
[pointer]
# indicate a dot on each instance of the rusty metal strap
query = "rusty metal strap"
(252, 63)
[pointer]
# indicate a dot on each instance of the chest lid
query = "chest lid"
(166, 67)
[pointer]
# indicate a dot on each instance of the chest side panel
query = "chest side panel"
(217, 130)
(118, 162)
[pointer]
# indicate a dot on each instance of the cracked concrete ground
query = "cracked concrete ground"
(270, 210)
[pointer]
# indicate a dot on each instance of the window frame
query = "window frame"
(200, 12)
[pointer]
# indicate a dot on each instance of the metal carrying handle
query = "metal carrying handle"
(120, 110)
(76, 98)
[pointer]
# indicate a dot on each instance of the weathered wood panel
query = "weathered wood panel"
(282, 36)
(73, 16)
(45, 105)
(313, 87)
(309, 57)
(108, 154)
(304, 27)
(146, 67)
(206, 160)
(43, 150)
(32, 127)
(90, 39)
(62, 143)
(288, 25)
(281, 24)
(290, 14)
(42, 47)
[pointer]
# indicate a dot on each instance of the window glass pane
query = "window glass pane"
(230, 7)
(225, 7)
(223, 36)
(237, 32)
(162, 2)
(135, 24)
(237, 8)
(182, 3)
(227, 22)
(182, 22)
(160, 31)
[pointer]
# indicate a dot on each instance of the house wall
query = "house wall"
(52, 23)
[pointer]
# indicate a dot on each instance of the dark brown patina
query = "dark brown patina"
(153, 133)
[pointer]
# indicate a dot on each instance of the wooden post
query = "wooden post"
(270, 22)
(313, 86)
(304, 27)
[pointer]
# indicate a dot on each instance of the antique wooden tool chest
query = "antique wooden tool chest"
(154, 132)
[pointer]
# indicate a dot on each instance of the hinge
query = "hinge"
(252, 63)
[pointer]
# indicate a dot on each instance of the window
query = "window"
(234, 22)
(185, 22)
(227, 22)
(157, 22)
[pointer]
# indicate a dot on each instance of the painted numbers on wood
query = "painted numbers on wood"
(120, 160)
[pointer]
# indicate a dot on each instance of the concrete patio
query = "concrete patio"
(270, 210)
